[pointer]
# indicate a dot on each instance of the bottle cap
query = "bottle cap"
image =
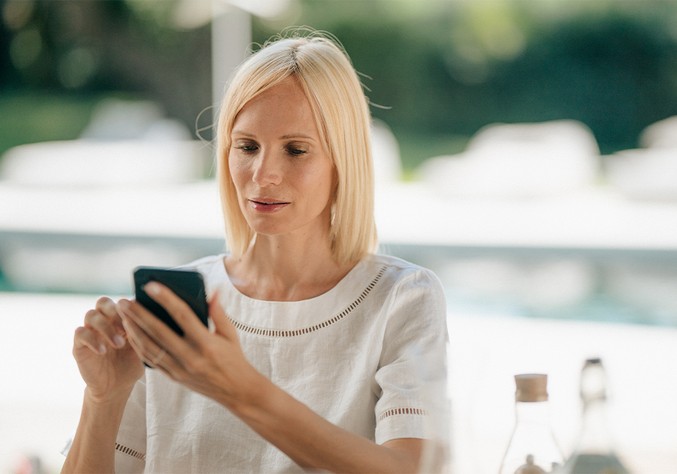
(531, 388)
(593, 380)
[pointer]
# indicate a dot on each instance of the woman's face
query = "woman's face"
(281, 170)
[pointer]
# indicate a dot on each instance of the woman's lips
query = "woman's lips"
(267, 205)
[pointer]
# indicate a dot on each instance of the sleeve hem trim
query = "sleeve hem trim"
(130, 452)
(402, 411)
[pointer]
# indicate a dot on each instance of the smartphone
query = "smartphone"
(187, 284)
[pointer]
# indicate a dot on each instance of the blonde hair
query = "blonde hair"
(341, 112)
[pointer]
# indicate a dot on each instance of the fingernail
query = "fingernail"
(102, 349)
(152, 288)
(119, 341)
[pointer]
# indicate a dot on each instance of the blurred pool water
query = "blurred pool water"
(634, 287)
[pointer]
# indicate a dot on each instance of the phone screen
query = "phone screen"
(187, 284)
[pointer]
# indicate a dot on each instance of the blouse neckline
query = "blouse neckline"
(342, 284)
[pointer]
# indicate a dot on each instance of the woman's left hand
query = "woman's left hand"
(211, 363)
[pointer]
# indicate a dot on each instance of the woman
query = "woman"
(317, 346)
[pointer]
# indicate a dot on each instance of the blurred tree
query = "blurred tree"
(87, 47)
(439, 69)
(452, 67)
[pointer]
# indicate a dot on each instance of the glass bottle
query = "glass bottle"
(532, 448)
(594, 452)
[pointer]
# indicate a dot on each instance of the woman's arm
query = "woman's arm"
(214, 365)
(109, 368)
(93, 447)
(315, 443)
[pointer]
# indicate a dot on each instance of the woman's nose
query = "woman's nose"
(267, 169)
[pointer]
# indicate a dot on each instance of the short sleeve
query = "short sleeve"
(130, 446)
(412, 369)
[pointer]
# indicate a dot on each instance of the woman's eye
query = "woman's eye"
(246, 147)
(295, 151)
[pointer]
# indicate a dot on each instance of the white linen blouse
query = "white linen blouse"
(360, 355)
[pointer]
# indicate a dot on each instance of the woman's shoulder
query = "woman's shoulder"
(407, 288)
(204, 264)
(212, 268)
(395, 265)
(399, 272)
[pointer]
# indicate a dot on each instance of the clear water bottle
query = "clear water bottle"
(532, 448)
(594, 452)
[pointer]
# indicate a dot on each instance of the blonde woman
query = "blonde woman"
(317, 346)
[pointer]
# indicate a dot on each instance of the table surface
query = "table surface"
(42, 388)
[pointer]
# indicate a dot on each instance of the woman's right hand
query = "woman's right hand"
(107, 363)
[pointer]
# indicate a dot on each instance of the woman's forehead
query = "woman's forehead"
(284, 108)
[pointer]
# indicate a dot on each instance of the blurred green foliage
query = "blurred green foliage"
(61, 57)
(452, 67)
(438, 70)
(33, 116)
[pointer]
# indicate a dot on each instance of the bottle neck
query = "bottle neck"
(533, 418)
(595, 436)
(532, 412)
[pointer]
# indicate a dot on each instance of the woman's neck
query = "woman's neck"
(277, 270)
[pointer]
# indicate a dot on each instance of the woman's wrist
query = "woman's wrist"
(253, 397)
(108, 399)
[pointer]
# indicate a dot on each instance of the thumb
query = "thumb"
(222, 324)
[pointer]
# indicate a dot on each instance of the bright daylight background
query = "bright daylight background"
(526, 151)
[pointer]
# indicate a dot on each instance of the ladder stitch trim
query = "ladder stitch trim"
(402, 411)
(298, 332)
(130, 452)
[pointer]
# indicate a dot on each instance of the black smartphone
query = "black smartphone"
(187, 284)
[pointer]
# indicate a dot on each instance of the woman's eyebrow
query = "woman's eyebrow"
(291, 136)
(242, 133)
(286, 136)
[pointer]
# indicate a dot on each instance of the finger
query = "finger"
(180, 311)
(150, 333)
(106, 306)
(157, 359)
(108, 331)
(147, 322)
(138, 340)
(147, 349)
(87, 338)
(222, 323)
